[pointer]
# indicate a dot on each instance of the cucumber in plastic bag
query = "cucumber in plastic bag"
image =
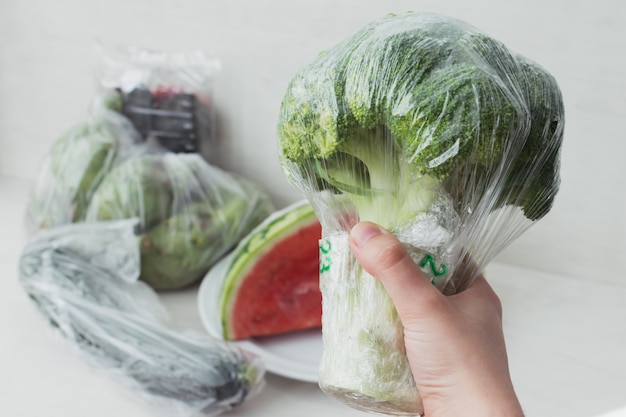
(83, 279)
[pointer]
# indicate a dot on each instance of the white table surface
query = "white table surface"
(566, 340)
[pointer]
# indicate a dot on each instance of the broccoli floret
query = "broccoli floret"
(540, 154)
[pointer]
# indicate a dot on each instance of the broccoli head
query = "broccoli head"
(419, 106)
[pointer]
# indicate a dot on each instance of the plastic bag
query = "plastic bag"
(83, 279)
(167, 96)
(76, 164)
(191, 213)
(437, 132)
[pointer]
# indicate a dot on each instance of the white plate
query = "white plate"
(293, 355)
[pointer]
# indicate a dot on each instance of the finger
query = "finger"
(384, 257)
(480, 285)
(482, 294)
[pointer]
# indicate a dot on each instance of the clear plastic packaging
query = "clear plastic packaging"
(190, 212)
(167, 96)
(83, 279)
(76, 164)
(439, 133)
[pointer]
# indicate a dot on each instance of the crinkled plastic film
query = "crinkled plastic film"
(76, 164)
(436, 131)
(168, 96)
(83, 279)
(190, 212)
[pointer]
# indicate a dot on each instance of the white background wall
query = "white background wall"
(47, 82)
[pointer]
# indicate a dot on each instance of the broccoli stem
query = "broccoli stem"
(379, 181)
(364, 361)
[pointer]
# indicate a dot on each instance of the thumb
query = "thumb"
(385, 257)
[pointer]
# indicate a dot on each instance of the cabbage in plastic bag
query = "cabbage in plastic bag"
(191, 213)
(76, 164)
(436, 131)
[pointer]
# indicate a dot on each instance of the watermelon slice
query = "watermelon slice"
(271, 280)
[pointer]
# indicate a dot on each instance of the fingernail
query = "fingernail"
(362, 232)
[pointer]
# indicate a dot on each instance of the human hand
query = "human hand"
(454, 344)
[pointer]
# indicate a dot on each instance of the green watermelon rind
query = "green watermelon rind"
(258, 242)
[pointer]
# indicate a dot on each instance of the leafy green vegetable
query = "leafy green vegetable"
(403, 105)
(137, 187)
(180, 250)
(75, 166)
(436, 131)
(190, 213)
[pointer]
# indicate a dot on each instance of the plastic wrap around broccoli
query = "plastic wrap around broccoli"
(190, 213)
(82, 278)
(436, 131)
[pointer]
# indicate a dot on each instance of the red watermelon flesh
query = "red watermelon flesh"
(284, 296)
(272, 284)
